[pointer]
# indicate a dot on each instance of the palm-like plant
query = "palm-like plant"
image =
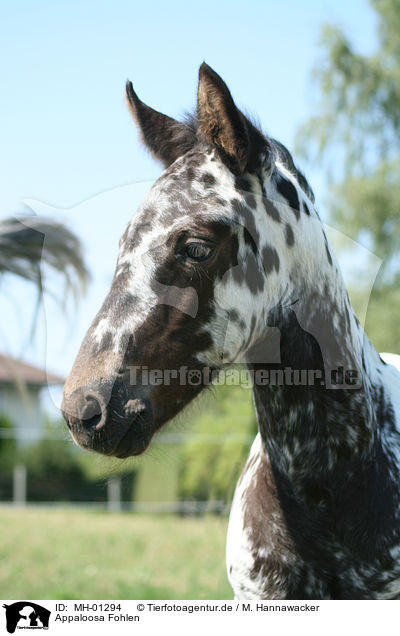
(30, 244)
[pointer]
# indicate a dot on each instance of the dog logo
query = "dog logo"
(26, 615)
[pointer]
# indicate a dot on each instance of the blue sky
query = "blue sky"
(66, 136)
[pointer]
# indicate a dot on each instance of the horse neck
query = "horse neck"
(315, 410)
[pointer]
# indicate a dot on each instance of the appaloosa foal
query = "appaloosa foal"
(227, 260)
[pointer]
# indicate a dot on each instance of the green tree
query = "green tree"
(356, 132)
(227, 424)
(55, 473)
(7, 443)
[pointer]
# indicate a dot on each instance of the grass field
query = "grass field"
(83, 554)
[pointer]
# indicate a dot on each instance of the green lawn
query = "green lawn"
(82, 554)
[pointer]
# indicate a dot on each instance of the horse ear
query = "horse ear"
(165, 137)
(239, 143)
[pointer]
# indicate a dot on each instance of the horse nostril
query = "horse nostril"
(92, 422)
(93, 413)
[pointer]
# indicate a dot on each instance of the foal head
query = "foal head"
(209, 253)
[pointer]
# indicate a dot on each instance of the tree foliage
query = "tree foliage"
(359, 96)
(356, 134)
(228, 425)
(7, 442)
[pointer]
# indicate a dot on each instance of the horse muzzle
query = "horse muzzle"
(109, 419)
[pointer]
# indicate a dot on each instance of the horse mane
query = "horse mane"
(287, 160)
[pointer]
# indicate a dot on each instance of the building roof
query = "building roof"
(12, 371)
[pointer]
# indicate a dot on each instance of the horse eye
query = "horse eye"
(197, 251)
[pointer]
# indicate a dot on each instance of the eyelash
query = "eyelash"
(198, 247)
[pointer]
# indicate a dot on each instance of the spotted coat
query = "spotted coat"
(226, 262)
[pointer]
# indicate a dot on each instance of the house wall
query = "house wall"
(24, 410)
